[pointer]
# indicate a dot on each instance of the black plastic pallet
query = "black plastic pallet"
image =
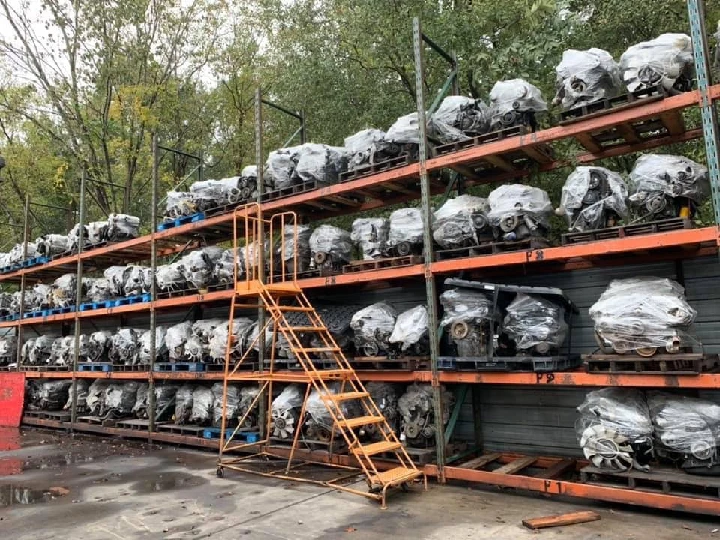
(664, 364)
(659, 479)
(478, 140)
(379, 264)
(288, 191)
(402, 363)
(194, 367)
(491, 248)
(374, 168)
(613, 104)
(621, 231)
(536, 364)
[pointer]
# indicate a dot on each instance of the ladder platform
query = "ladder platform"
(398, 475)
(345, 396)
(304, 328)
(330, 373)
(376, 448)
(319, 349)
(283, 309)
(360, 421)
(288, 288)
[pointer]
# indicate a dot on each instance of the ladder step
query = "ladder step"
(360, 421)
(318, 349)
(293, 308)
(376, 448)
(329, 373)
(398, 475)
(345, 396)
(304, 328)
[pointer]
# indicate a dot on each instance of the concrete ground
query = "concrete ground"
(111, 489)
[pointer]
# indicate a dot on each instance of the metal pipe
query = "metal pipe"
(263, 409)
(78, 300)
(26, 234)
(294, 114)
(180, 152)
(438, 49)
(428, 245)
(153, 286)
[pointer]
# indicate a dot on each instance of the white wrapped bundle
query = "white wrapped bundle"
(330, 245)
(586, 77)
(666, 61)
(373, 327)
(512, 101)
(371, 234)
(592, 195)
(406, 229)
(461, 222)
(411, 328)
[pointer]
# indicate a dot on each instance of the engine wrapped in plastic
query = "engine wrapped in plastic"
(614, 429)
(465, 115)
(8, 350)
(198, 266)
(385, 395)
(664, 186)
(320, 163)
(518, 212)
(330, 247)
(584, 77)
(170, 277)
(95, 400)
(165, 397)
(286, 411)
(202, 406)
(535, 324)
(64, 290)
(138, 280)
(175, 339)
(161, 350)
(184, 404)
(368, 147)
(371, 235)
(417, 423)
(37, 351)
(217, 346)
(125, 346)
(462, 222)
(373, 327)
(54, 394)
(643, 315)
(142, 401)
(403, 137)
(62, 353)
(98, 289)
(686, 431)
(224, 269)
(197, 347)
(410, 334)
(294, 250)
(6, 301)
(120, 399)
(593, 198)
(211, 194)
(50, 245)
(515, 103)
(99, 344)
(39, 298)
(117, 276)
(318, 422)
(81, 387)
(122, 227)
(467, 315)
(280, 168)
(405, 235)
(179, 204)
(665, 62)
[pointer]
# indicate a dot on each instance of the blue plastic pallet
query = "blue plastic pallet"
(95, 367)
(34, 261)
(59, 310)
(32, 314)
(181, 221)
(137, 299)
(97, 305)
(246, 436)
(180, 366)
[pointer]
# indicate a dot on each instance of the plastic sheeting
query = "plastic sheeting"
(373, 327)
(120, 398)
(202, 406)
(519, 211)
(175, 340)
(318, 414)
(125, 346)
(224, 270)
(363, 146)
(169, 277)
(98, 289)
(164, 401)
(406, 226)
(96, 396)
(465, 305)
(179, 204)
(232, 403)
(411, 329)
(184, 404)
(64, 290)
(405, 130)
(636, 313)
(52, 244)
(142, 401)
(592, 195)
(210, 194)
(468, 115)
(218, 340)
(138, 280)
(198, 266)
(8, 350)
(122, 227)
(61, 351)
(655, 178)
(54, 394)
(99, 346)
(461, 222)
(161, 350)
(288, 249)
(197, 347)
(280, 167)
(333, 242)
(41, 297)
(81, 387)
(586, 77)
(535, 322)
(371, 234)
(665, 61)
(321, 163)
(511, 101)
(117, 276)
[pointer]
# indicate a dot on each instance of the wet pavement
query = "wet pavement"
(54, 486)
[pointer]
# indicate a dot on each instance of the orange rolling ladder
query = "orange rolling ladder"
(278, 295)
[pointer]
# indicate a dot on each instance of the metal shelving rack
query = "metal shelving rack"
(479, 165)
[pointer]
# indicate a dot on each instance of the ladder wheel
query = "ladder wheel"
(220, 472)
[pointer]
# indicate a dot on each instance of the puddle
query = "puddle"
(167, 482)
(11, 495)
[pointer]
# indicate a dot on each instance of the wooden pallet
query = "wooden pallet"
(182, 429)
(45, 368)
(662, 364)
(291, 190)
(490, 248)
(175, 294)
(527, 465)
(658, 479)
(378, 264)
(636, 229)
(96, 420)
(374, 168)
(59, 416)
(136, 424)
(402, 363)
(611, 105)
(536, 364)
(478, 140)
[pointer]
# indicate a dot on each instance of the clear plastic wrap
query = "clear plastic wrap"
(247, 397)
(224, 269)
(165, 396)
(142, 401)
(210, 194)
(513, 103)
(125, 346)
(659, 183)
(465, 305)
(280, 167)
(535, 323)
(318, 422)
(64, 291)
(643, 313)
(232, 404)
(218, 340)
(285, 411)
(584, 77)
(406, 230)
(54, 394)
(95, 400)
(16, 253)
(6, 302)
(371, 234)
(120, 398)
(385, 395)
(99, 346)
(176, 338)
(52, 244)
(202, 406)
(40, 350)
(81, 387)
(117, 276)
(666, 61)
(363, 147)
(685, 426)
(320, 163)
(373, 327)
(198, 266)
(8, 350)
(179, 204)
(330, 247)
(289, 249)
(97, 232)
(405, 130)
(138, 280)
(98, 289)
(184, 404)
(518, 212)
(418, 427)
(593, 198)
(161, 350)
(61, 351)
(169, 277)
(122, 227)
(83, 348)
(41, 297)
(461, 222)
(614, 429)
(197, 347)
(411, 330)
(464, 114)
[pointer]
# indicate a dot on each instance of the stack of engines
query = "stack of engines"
(418, 427)
(309, 162)
(462, 222)
(203, 406)
(518, 212)
(643, 316)
(206, 340)
(379, 330)
(207, 195)
(622, 428)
